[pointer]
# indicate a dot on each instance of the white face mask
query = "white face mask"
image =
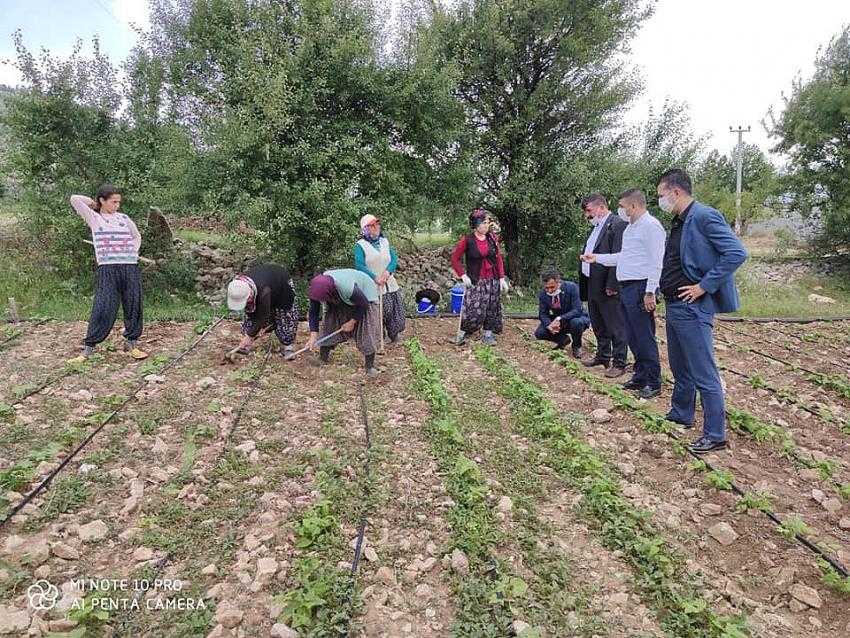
(593, 221)
(621, 212)
(666, 204)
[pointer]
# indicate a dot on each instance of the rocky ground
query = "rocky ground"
(226, 500)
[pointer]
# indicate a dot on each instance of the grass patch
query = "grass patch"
(761, 298)
(40, 291)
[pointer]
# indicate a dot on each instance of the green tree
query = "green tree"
(541, 82)
(303, 126)
(813, 131)
(716, 182)
(638, 157)
(67, 134)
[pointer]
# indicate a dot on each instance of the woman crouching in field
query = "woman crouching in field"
(116, 246)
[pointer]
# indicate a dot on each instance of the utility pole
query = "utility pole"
(739, 161)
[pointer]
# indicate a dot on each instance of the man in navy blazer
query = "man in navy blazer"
(697, 281)
(599, 287)
(562, 318)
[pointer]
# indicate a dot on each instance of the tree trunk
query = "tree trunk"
(510, 243)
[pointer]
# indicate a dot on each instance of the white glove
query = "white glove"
(466, 280)
(503, 285)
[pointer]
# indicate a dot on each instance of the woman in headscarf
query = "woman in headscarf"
(374, 256)
(267, 295)
(483, 278)
(351, 300)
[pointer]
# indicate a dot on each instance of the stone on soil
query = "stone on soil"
(13, 621)
(279, 630)
(832, 505)
(386, 576)
(65, 552)
(805, 594)
(459, 562)
(94, 531)
(723, 533)
(710, 509)
(600, 415)
(228, 616)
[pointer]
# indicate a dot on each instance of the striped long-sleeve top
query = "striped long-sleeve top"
(116, 238)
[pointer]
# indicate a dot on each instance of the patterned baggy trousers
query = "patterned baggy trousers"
(117, 284)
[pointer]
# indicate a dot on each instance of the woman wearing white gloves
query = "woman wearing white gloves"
(483, 277)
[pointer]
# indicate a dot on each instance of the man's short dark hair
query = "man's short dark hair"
(633, 195)
(594, 198)
(676, 178)
(550, 274)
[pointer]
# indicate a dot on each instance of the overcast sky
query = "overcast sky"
(730, 60)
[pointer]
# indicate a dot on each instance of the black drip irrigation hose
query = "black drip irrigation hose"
(760, 353)
(805, 542)
(364, 521)
(778, 345)
(249, 393)
(16, 335)
(49, 478)
(813, 547)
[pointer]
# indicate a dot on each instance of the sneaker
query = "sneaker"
(683, 424)
(647, 392)
(372, 372)
(457, 340)
(704, 445)
(590, 363)
(488, 340)
(615, 371)
(138, 354)
(631, 384)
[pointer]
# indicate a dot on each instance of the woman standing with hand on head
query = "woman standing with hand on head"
(484, 279)
(119, 281)
(374, 256)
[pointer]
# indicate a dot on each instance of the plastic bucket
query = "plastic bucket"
(426, 307)
(457, 298)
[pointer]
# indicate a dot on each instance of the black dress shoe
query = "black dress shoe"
(631, 384)
(687, 426)
(596, 362)
(647, 392)
(704, 445)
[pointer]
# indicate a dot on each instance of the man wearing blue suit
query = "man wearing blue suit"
(562, 318)
(697, 281)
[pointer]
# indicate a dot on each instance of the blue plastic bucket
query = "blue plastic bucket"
(426, 307)
(457, 298)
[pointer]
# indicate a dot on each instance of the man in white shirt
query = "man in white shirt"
(639, 264)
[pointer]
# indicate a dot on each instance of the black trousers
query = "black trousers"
(572, 333)
(606, 319)
(117, 284)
